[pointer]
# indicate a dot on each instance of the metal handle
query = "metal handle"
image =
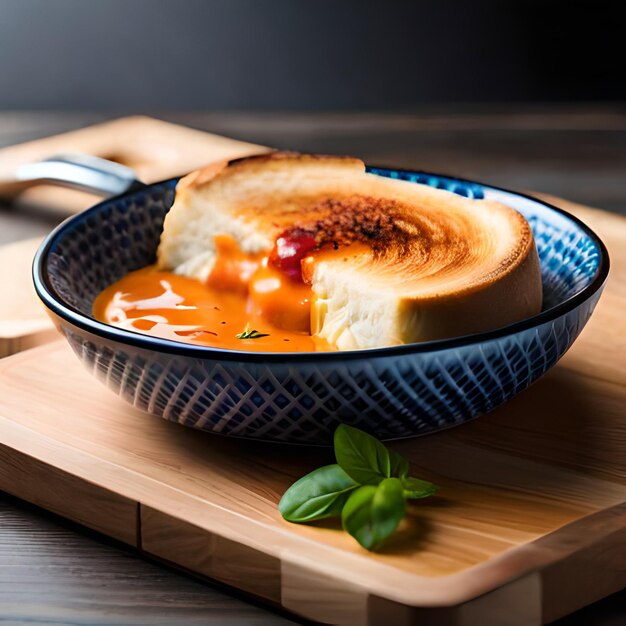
(78, 171)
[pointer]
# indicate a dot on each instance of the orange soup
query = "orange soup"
(257, 303)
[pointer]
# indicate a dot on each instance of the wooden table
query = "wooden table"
(51, 571)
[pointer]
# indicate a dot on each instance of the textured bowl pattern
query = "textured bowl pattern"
(390, 392)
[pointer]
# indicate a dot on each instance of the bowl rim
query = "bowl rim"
(112, 333)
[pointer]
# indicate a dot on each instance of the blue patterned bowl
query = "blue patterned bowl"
(392, 392)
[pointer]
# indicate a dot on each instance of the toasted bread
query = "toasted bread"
(400, 262)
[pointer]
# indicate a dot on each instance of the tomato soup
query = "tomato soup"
(257, 303)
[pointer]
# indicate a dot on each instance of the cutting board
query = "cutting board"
(156, 150)
(529, 525)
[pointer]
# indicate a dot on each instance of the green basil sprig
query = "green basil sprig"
(372, 513)
(368, 487)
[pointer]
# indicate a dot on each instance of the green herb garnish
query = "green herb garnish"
(367, 487)
(246, 333)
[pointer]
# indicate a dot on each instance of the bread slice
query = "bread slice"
(400, 262)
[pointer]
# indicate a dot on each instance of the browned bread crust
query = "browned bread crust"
(450, 264)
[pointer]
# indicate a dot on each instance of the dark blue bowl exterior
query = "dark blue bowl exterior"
(395, 392)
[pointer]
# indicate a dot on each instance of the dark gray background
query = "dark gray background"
(123, 55)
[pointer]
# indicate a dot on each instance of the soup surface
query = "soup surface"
(184, 309)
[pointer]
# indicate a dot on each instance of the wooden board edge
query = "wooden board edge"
(517, 603)
(321, 598)
(24, 323)
(69, 496)
(566, 554)
(20, 343)
(566, 583)
(307, 586)
(209, 554)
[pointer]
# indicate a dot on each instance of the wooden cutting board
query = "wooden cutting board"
(156, 150)
(530, 523)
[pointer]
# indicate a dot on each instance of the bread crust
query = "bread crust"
(438, 257)
(227, 169)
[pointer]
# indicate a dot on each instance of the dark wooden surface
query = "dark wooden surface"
(52, 572)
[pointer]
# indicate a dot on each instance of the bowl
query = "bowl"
(393, 392)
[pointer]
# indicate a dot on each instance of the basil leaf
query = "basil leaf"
(399, 465)
(320, 494)
(372, 513)
(361, 456)
(414, 488)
